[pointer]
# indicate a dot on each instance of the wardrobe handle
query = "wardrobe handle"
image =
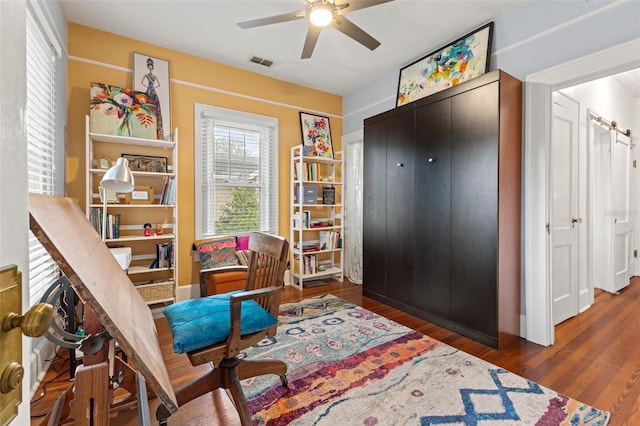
(399, 165)
(431, 160)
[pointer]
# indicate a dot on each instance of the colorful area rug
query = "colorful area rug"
(350, 366)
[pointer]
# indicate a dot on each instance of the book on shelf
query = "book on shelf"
(168, 193)
(164, 256)
(330, 240)
(299, 175)
(307, 264)
(112, 229)
(312, 172)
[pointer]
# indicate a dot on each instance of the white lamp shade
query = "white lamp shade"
(321, 15)
(119, 177)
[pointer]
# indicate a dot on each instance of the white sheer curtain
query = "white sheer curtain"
(353, 148)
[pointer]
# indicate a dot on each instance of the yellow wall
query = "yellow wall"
(108, 58)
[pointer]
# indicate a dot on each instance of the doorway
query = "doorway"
(591, 243)
(538, 321)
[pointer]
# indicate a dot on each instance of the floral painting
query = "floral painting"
(460, 61)
(122, 112)
(316, 136)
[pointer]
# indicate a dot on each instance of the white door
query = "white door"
(621, 201)
(564, 207)
(14, 207)
(601, 223)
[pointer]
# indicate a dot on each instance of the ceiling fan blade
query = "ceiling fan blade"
(359, 4)
(272, 20)
(310, 41)
(350, 29)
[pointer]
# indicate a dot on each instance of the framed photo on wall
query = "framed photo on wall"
(151, 76)
(316, 135)
(459, 61)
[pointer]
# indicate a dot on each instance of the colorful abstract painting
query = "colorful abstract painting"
(316, 136)
(460, 61)
(122, 112)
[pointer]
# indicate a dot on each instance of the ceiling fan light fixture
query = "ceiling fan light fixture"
(321, 14)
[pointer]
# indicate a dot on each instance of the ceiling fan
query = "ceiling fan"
(322, 13)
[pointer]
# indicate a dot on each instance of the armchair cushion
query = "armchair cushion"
(206, 321)
(216, 252)
(243, 242)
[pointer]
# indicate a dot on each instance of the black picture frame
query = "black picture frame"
(461, 60)
(146, 163)
(316, 135)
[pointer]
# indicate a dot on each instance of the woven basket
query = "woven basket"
(153, 292)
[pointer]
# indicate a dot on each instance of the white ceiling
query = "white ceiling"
(407, 29)
(630, 80)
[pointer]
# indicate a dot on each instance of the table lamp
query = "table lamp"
(117, 179)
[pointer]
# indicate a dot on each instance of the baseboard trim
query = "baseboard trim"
(42, 353)
(186, 292)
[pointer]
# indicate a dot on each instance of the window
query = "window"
(235, 172)
(41, 142)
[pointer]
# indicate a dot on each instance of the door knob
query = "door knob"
(34, 323)
(431, 160)
(399, 165)
(11, 377)
(577, 220)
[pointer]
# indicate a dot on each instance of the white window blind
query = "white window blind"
(41, 144)
(236, 172)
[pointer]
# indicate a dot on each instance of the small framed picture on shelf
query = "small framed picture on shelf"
(139, 195)
(146, 163)
(104, 162)
(112, 197)
(328, 195)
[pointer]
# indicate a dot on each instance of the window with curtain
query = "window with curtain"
(41, 143)
(236, 165)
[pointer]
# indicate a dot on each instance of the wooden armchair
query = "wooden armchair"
(216, 328)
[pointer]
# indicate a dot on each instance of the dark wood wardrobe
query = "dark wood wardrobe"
(442, 208)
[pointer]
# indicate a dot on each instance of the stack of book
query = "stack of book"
(308, 264)
(168, 195)
(164, 256)
(113, 223)
(330, 240)
(308, 172)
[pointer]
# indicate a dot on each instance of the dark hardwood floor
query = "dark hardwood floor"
(596, 359)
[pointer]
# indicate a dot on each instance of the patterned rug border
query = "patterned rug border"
(322, 390)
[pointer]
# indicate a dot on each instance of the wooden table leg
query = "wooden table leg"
(92, 395)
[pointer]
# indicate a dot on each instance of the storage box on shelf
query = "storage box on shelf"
(316, 225)
(145, 220)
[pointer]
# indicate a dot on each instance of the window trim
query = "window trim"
(203, 112)
(42, 268)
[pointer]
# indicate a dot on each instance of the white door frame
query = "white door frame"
(537, 136)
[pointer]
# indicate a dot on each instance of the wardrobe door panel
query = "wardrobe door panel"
(400, 202)
(432, 221)
(474, 205)
(374, 207)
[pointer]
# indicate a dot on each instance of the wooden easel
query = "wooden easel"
(113, 303)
